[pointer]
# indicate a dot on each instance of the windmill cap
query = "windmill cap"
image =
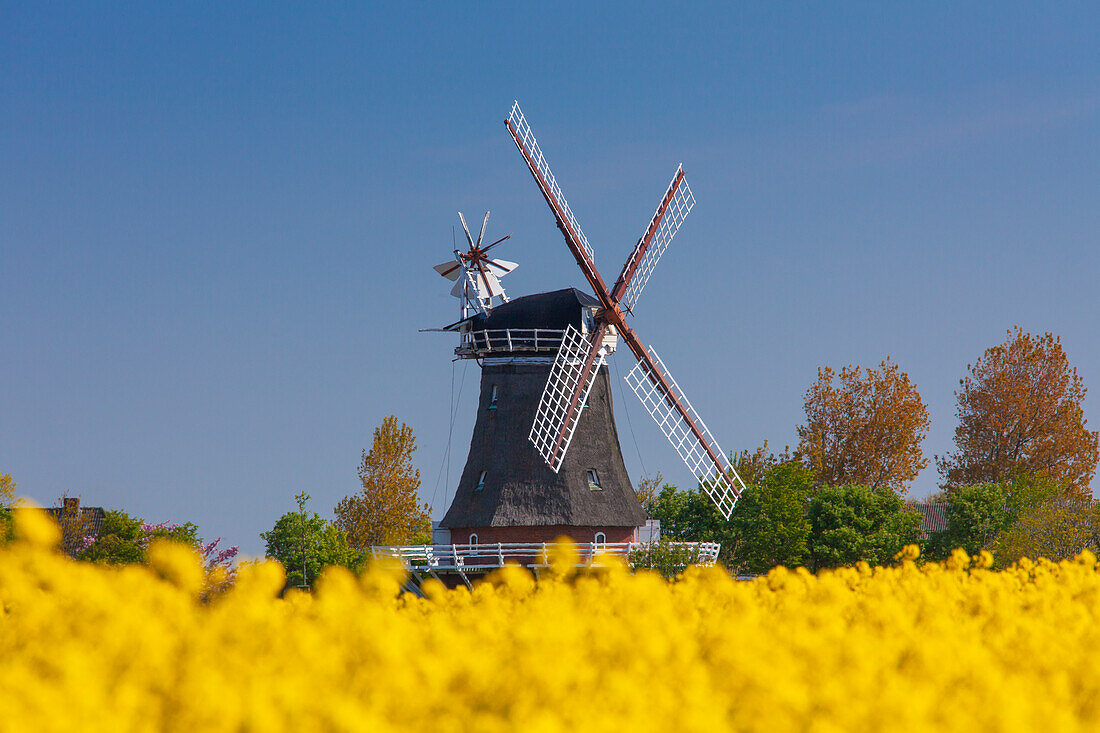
(553, 310)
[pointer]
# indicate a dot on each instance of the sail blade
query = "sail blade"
(500, 268)
(451, 269)
(463, 284)
(529, 147)
(670, 409)
(466, 229)
(571, 378)
(488, 283)
(483, 224)
(666, 221)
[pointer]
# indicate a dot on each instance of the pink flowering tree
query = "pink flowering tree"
(125, 539)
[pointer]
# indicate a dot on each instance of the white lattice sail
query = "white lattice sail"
(674, 216)
(721, 483)
(555, 422)
(523, 131)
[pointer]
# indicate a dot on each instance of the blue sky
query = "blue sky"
(217, 222)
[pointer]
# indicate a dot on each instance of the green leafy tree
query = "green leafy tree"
(853, 522)
(1026, 491)
(124, 538)
(1057, 529)
(978, 513)
(769, 525)
(7, 498)
(305, 544)
(975, 516)
(767, 528)
(119, 542)
(752, 466)
(690, 516)
(666, 556)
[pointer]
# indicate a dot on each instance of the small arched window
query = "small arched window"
(493, 398)
(473, 541)
(601, 539)
(593, 480)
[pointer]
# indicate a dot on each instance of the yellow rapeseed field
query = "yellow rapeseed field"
(935, 647)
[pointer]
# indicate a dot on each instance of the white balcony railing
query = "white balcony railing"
(488, 556)
(510, 339)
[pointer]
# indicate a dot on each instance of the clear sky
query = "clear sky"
(217, 221)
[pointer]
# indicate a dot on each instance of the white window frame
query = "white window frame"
(473, 540)
(601, 539)
(593, 478)
(481, 481)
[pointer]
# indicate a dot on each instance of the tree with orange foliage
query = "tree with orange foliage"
(386, 511)
(7, 490)
(868, 430)
(1020, 413)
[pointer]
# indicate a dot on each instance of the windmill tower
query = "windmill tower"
(506, 492)
(544, 458)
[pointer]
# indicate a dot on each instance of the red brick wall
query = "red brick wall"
(487, 535)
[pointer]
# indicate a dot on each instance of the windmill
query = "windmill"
(476, 275)
(581, 355)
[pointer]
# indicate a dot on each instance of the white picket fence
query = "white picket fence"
(489, 556)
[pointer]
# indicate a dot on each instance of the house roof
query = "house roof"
(79, 522)
(933, 518)
(91, 518)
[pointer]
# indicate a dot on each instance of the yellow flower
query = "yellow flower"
(937, 647)
(35, 527)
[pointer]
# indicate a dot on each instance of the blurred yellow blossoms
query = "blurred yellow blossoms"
(953, 647)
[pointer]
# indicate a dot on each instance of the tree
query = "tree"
(752, 466)
(767, 528)
(124, 539)
(691, 516)
(1056, 529)
(120, 542)
(386, 511)
(853, 522)
(7, 498)
(769, 525)
(1020, 412)
(868, 430)
(978, 513)
(667, 557)
(306, 544)
(647, 491)
(7, 490)
(975, 516)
